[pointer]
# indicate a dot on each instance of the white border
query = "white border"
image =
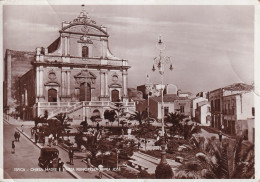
(148, 2)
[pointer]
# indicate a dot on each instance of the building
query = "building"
(171, 103)
(134, 95)
(230, 106)
(238, 114)
(194, 104)
(76, 74)
(16, 63)
(202, 113)
(149, 89)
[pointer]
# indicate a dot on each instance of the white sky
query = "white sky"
(210, 46)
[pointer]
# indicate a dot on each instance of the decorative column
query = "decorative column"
(66, 46)
(61, 45)
(37, 82)
(101, 83)
(68, 82)
(106, 84)
(63, 82)
(41, 81)
(124, 79)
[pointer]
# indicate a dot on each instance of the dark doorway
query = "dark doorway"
(52, 95)
(85, 92)
(115, 95)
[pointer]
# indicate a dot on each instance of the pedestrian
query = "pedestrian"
(60, 165)
(71, 153)
(36, 137)
(43, 140)
(32, 132)
(88, 165)
(13, 147)
(100, 168)
(98, 126)
(139, 145)
(220, 136)
(50, 166)
(22, 127)
(18, 136)
(15, 136)
(49, 141)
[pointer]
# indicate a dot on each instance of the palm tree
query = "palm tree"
(243, 161)
(62, 125)
(120, 111)
(189, 130)
(110, 115)
(146, 130)
(175, 119)
(139, 116)
(212, 160)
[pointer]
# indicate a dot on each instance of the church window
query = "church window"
(84, 51)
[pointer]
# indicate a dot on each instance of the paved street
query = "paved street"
(25, 158)
(26, 150)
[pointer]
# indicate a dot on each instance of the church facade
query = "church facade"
(77, 74)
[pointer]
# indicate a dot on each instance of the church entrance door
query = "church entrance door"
(85, 92)
(52, 95)
(115, 95)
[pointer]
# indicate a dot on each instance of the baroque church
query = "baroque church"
(76, 74)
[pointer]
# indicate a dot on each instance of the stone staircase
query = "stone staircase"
(129, 107)
(66, 110)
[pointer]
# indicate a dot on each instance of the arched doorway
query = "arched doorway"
(85, 92)
(115, 95)
(52, 95)
(96, 113)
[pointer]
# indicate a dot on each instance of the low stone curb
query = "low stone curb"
(72, 173)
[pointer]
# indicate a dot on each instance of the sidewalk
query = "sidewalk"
(13, 121)
(210, 129)
(79, 166)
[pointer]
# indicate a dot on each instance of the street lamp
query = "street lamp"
(117, 152)
(160, 62)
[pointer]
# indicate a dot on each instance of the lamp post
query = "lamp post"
(160, 62)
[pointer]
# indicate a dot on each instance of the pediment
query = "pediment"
(52, 84)
(85, 29)
(85, 74)
(115, 85)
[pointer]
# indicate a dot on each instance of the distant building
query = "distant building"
(202, 113)
(154, 90)
(172, 103)
(16, 63)
(134, 95)
(171, 89)
(149, 89)
(194, 104)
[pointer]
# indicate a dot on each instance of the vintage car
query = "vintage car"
(48, 154)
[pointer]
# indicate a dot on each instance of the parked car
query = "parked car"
(48, 154)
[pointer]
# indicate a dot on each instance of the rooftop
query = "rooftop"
(239, 87)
